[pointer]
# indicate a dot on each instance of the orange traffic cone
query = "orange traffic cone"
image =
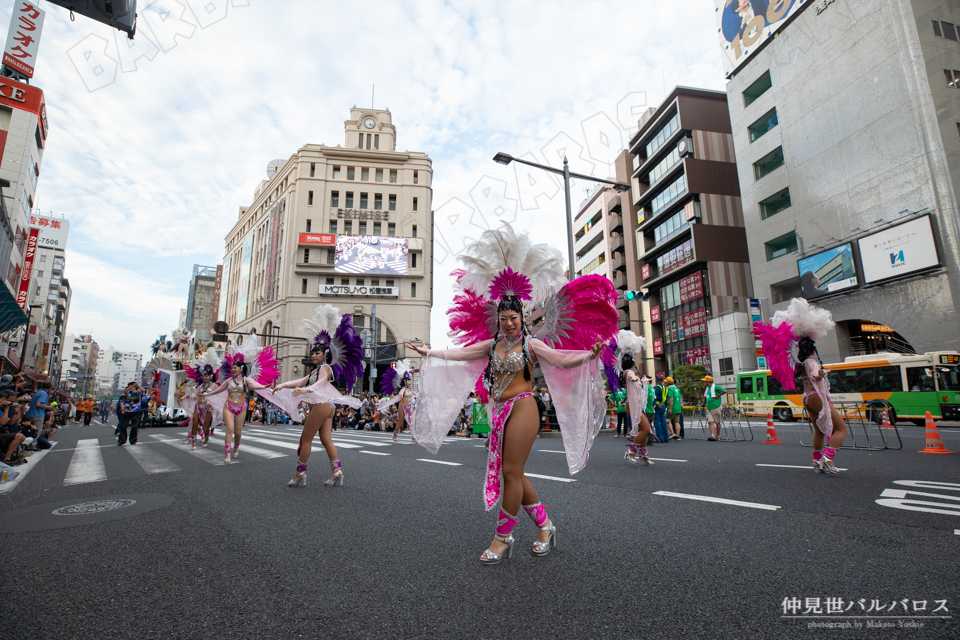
(934, 444)
(613, 419)
(771, 432)
(886, 420)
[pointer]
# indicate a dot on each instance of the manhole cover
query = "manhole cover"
(97, 506)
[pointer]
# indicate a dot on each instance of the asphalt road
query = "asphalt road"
(228, 551)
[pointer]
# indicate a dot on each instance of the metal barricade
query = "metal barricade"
(862, 433)
(734, 421)
(697, 419)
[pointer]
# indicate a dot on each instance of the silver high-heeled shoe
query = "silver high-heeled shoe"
(829, 468)
(489, 557)
(818, 465)
(334, 481)
(298, 479)
(543, 548)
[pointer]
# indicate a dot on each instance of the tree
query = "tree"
(688, 378)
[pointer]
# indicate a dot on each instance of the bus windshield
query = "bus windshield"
(948, 377)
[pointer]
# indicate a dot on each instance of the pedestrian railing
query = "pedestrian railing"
(862, 433)
(735, 425)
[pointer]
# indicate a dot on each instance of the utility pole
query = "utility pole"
(373, 346)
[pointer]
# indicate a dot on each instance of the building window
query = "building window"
(378, 201)
(376, 141)
(766, 122)
(392, 228)
(726, 367)
(787, 243)
(303, 287)
(368, 141)
(306, 256)
(668, 162)
(363, 200)
(348, 227)
(945, 30)
(333, 226)
(413, 289)
(416, 177)
(674, 224)
(351, 174)
(331, 254)
(358, 320)
(379, 175)
(365, 174)
(376, 228)
(362, 228)
(334, 198)
(336, 173)
(345, 282)
(775, 204)
(360, 282)
(313, 169)
(768, 163)
(349, 202)
(663, 134)
(360, 141)
(414, 231)
(392, 202)
(309, 197)
(374, 282)
(414, 204)
(389, 282)
(952, 78)
(309, 225)
(393, 175)
(668, 195)
(330, 280)
(757, 89)
(413, 260)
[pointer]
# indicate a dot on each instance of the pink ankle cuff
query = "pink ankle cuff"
(505, 523)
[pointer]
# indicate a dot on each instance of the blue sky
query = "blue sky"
(151, 158)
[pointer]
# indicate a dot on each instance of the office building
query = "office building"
(200, 313)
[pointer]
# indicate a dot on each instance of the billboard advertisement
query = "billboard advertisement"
(243, 288)
(374, 255)
(23, 38)
(827, 272)
(224, 289)
(52, 232)
(743, 25)
(319, 239)
(898, 251)
(691, 287)
(31, 253)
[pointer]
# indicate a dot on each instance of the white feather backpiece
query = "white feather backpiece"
(403, 367)
(250, 348)
(807, 320)
(500, 248)
(325, 318)
(209, 357)
(631, 343)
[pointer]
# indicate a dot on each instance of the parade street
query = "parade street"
(715, 540)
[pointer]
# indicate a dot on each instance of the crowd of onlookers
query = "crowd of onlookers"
(28, 419)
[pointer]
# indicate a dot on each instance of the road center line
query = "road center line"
(667, 460)
(790, 466)
(736, 503)
(452, 464)
(537, 475)
(374, 453)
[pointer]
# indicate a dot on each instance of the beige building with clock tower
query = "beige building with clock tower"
(372, 201)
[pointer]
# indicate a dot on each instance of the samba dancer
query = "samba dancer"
(203, 372)
(397, 387)
(618, 355)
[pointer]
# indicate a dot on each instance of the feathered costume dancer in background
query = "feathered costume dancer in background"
(203, 372)
(246, 368)
(789, 342)
(504, 269)
(337, 353)
(397, 386)
(621, 369)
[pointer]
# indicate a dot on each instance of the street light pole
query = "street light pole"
(506, 158)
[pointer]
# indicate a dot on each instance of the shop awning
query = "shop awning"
(11, 315)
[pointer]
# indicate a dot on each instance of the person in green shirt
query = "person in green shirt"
(711, 396)
(674, 408)
(620, 398)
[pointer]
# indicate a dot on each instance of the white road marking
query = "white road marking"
(736, 503)
(290, 445)
(548, 451)
(375, 453)
(537, 475)
(897, 498)
(213, 454)
(667, 460)
(956, 532)
(86, 465)
(336, 438)
(791, 466)
(24, 469)
(257, 451)
(150, 460)
(365, 443)
(452, 464)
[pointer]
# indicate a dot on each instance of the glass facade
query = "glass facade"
(663, 134)
(668, 195)
(675, 223)
(669, 162)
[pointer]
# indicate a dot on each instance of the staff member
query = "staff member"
(129, 409)
(711, 396)
(674, 409)
(85, 407)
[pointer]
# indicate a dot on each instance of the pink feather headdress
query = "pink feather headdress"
(779, 337)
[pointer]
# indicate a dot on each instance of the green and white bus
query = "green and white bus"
(910, 385)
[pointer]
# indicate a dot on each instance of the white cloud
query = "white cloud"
(151, 168)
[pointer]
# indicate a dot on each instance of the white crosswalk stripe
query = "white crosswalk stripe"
(212, 456)
(150, 460)
(257, 451)
(86, 465)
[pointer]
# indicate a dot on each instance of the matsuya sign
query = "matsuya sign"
(347, 290)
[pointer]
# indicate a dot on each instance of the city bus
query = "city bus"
(909, 385)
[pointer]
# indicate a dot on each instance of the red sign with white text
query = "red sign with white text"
(695, 323)
(322, 239)
(646, 271)
(657, 346)
(22, 96)
(691, 287)
(23, 39)
(655, 314)
(700, 355)
(27, 270)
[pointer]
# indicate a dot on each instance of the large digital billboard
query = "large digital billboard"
(243, 290)
(375, 255)
(897, 251)
(827, 272)
(743, 25)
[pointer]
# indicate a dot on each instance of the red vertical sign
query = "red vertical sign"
(27, 270)
(655, 314)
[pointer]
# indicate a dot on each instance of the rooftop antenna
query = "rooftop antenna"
(372, 90)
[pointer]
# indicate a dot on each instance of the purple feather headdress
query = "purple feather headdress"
(262, 363)
(208, 363)
(337, 336)
(393, 378)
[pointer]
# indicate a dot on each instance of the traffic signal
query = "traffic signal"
(119, 14)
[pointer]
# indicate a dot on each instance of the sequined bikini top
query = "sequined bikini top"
(234, 389)
(505, 370)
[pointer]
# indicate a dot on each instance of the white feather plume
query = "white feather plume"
(631, 343)
(209, 357)
(806, 319)
(325, 318)
(403, 367)
(500, 248)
